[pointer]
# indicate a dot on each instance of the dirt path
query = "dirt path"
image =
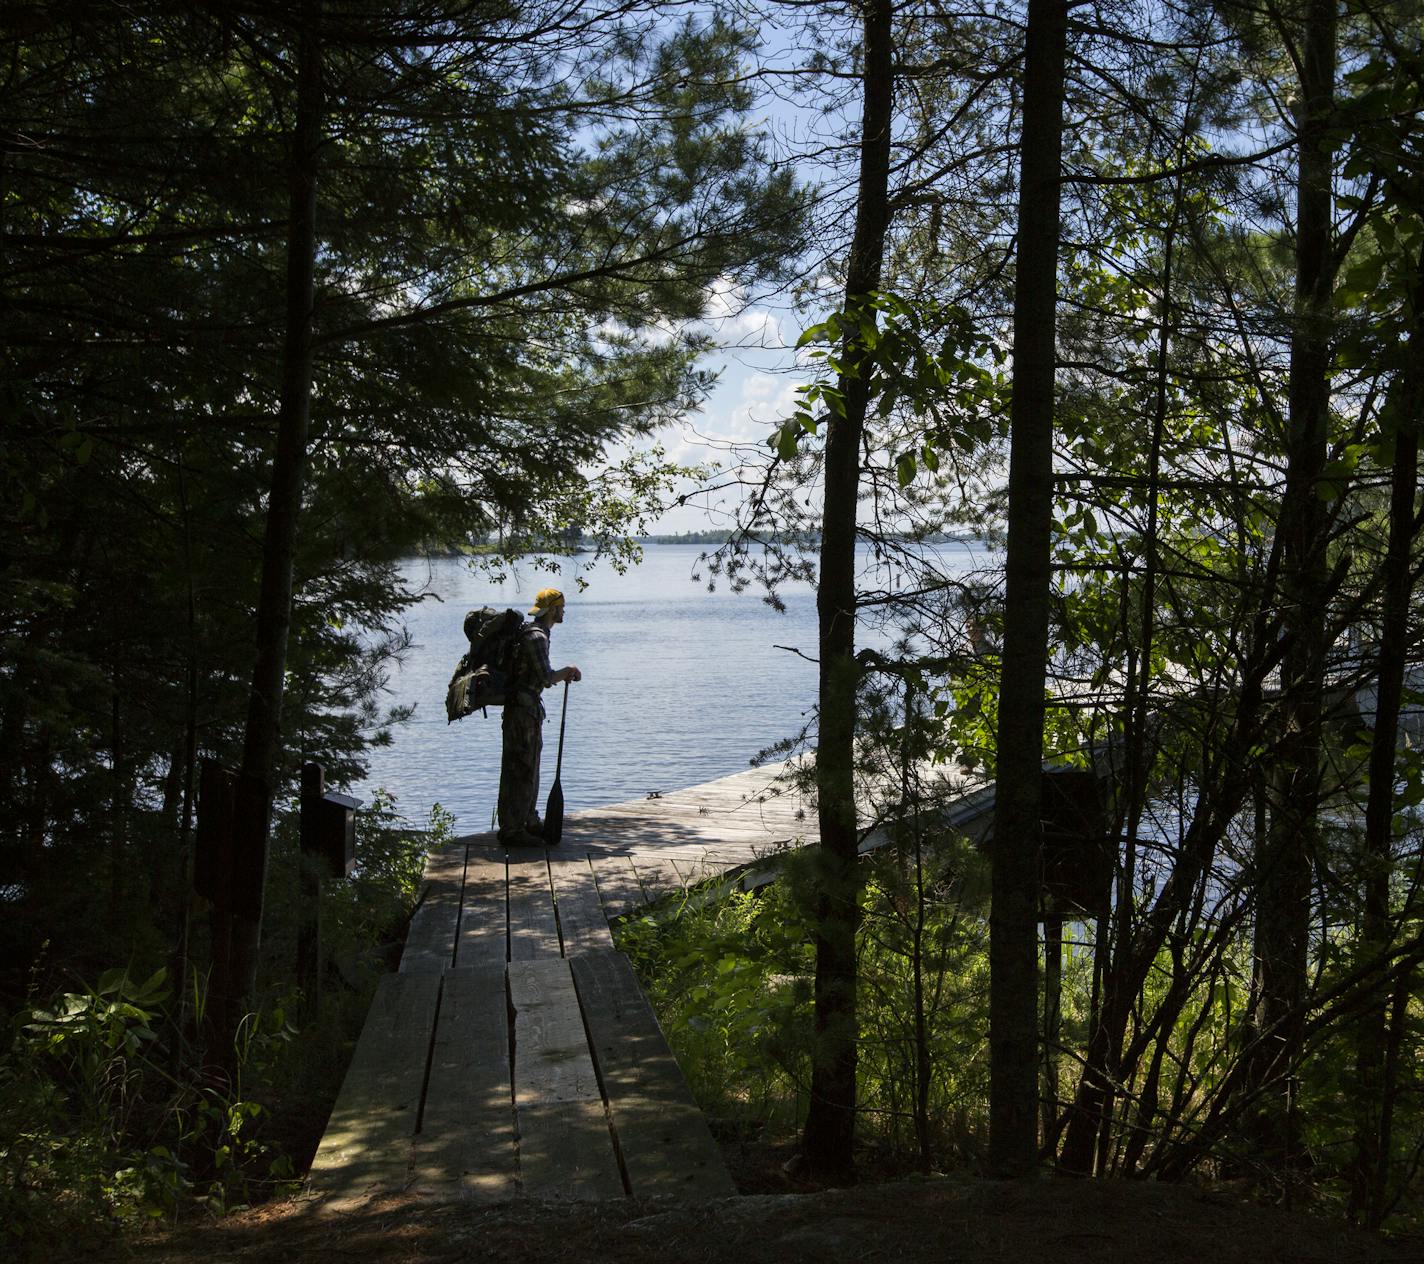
(946, 1221)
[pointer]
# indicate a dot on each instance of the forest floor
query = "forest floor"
(946, 1220)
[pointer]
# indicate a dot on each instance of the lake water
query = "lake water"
(680, 685)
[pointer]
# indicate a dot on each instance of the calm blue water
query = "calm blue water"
(680, 685)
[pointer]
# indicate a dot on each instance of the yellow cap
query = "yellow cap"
(546, 599)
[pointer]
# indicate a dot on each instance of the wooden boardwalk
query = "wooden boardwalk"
(514, 1054)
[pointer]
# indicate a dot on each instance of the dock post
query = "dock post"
(327, 833)
(309, 867)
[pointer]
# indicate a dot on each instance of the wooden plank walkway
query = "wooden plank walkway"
(514, 1054)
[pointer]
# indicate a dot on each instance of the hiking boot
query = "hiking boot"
(522, 838)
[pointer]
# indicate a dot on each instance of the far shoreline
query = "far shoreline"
(704, 538)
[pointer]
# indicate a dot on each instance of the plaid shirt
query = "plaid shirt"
(532, 670)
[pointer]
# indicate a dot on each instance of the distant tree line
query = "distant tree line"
(688, 537)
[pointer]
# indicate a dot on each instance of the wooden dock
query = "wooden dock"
(514, 1054)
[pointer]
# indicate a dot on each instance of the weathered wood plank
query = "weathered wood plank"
(685, 804)
(663, 1138)
(719, 852)
(730, 852)
(705, 868)
(548, 1121)
(483, 914)
(751, 810)
(582, 925)
(610, 833)
(766, 782)
(750, 818)
(565, 1150)
(430, 942)
(533, 929)
(659, 876)
(465, 1149)
(753, 790)
(366, 1149)
(619, 890)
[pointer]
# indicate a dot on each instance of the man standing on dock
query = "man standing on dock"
(530, 674)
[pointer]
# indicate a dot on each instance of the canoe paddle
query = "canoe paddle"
(554, 809)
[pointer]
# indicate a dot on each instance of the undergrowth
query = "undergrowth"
(731, 978)
(116, 1107)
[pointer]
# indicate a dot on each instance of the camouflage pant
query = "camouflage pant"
(519, 769)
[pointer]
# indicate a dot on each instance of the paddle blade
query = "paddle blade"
(554, 815)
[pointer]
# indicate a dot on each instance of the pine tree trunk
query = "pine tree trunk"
(1013, 938)
(1284, 870)
(1371, 1164)
(262, 740)
(830, 1120)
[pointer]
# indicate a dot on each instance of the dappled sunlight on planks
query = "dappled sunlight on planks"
(513, 1053)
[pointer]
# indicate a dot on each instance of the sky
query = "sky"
(757, 377)
(757, 366)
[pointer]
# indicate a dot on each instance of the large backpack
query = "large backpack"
(481, 677)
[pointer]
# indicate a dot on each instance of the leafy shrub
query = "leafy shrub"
(98, 1125)
(112, 1111)
(731, 979)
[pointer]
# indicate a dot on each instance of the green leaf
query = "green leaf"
(1364, 276)
(152, 989)
(825, 331)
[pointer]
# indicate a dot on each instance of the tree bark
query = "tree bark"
(830, 1122)
(1013, 940)
(1371, 1164)
(1284, 872)
(262, 739)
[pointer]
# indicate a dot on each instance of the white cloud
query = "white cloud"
(757, 327)
(735, 322)
(747, 410)
(726, 298)
(758, 376)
